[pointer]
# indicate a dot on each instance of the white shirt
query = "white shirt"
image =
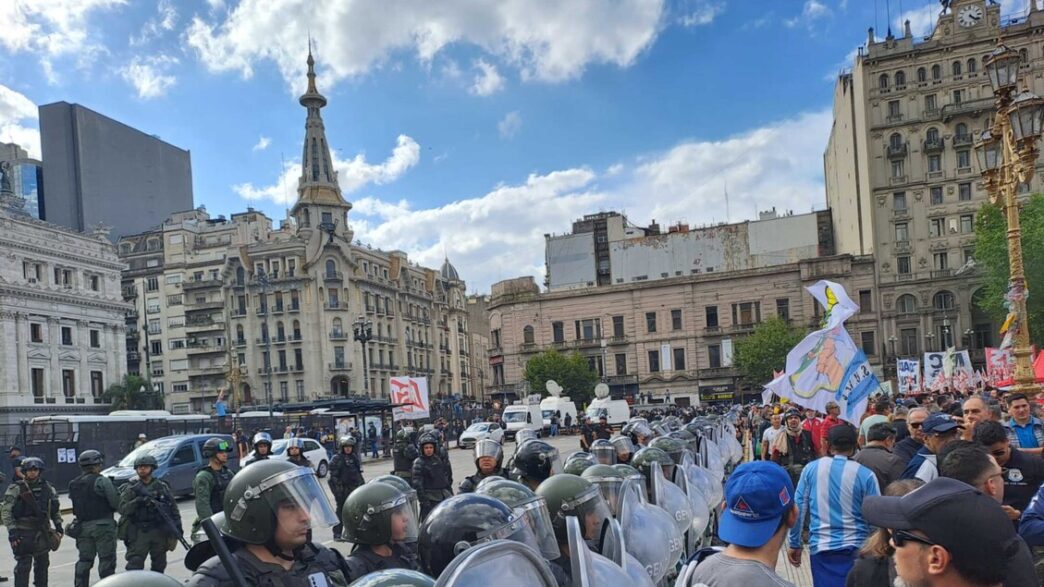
(770, 434)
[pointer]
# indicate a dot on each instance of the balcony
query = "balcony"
(262, 310)
(932, 114)
(621, 379)
(939, 273)
(294, 308)
(616, 340)
(206, 323)
(333, 276)
(240, 342)
(586, 343)
(338, 335)
(133, 356)
(896, 151)
(199, 348)
(208, 370)
(894, 118)
(192, 284)
(278, 309)
(333, 306)
(962, 140)
(744, 327)
(968, 107)
(933, 145)
(495, 351)
(527, 347)
(204, 306)
(712, 330)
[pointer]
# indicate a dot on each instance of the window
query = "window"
(714, 356)
(964, 192)
(900, 79)
(955, 68)
(331, 268)
(156, 347)
(327, 218)
(36, 382)
(895, 142)
(906, 304)
(893, 110)
(902, 232)
(932, 135)
(899, 201)
(179, 343)
(746, 313)
(299, 390)
(937, 227)
(930, 103)
(963, 158)
(650, 321)
(68, 383)
(941, 261)
(960, 131)
(902, 265)
(934, 163)
(679, 359)
(152, 284)
(922, 75)
(36, 332)
(972, 65)
(589, 329)
(97, 384)
(295, 300)
(969, 254)
(184, 456)
(297, 330)
(897, 169)
(155, 327)
(908, 341)
(712, 316)
(783, 308)
(958, 95)
(936, 72)
(943, 301)
(866, 300)
(332, 299)
(967, 223)
(95, 337)
(67, 335)
(298, 360)
(676, 320)
(882, 81)
(618, 326)
(527, 335)
(621, 364)
(557, 332)
(62, 277)
(654, 361)
(868, 343)
(174, 300)
(936, 195)
(94, 283)
(282, 360)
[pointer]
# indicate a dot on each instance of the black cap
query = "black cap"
(880, 431)
(843, 434)
(14, 448)
(950, 513)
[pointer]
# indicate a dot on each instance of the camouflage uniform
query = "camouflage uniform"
(28, 532)
(142, 528)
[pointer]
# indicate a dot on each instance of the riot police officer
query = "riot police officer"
(94, 501)
(144, 528)
(139, 579)
(345, 476)
(379, 521)
(262, 448)
(271, 509)
(568, 495)
(535, 461)
(403, 454)
(212, 480)
(432, 477)
(295, 453)
(489, 456)
(30, 507)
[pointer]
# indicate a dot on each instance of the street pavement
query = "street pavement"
(64, 560)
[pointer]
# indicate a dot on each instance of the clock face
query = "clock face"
(969, 16)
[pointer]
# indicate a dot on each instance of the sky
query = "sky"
(466, 129)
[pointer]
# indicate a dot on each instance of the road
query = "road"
(64, 560)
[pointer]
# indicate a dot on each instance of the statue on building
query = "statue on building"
(5, 177)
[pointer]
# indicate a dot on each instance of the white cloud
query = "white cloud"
(509, 126)
(15, 110)
(49, 27)
(149, 75)
(487, 81)
(545, 40)
(812, 10)
(700, 12)
(262, 144)
(352, 174)
(165, 20)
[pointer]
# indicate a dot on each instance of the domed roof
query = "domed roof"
(448, 271)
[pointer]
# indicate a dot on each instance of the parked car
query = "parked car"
(179, 457)
(480, 431)
(313, 451)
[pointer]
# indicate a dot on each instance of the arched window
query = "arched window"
(932, 135)
(961, 130)
(527, 335)
(943, 301)
(338, 327)
(895, 141)
(1024, 56)
(240, 275)
(906, 304)
(280, 331)
(331, 268)
(936, 72)
(882, 82)
(239, 333)
(297, 330)
(973, 65)
(264, 332)
(956, 68)
(900, 79)
(922, 75)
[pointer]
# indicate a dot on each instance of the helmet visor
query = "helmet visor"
(403, 520)
(623, 445)
(539, 520)
(517, 529)
(488, 448)
(605, 455)
(297, 500)
(592, 511)
(610, 488)
(556, 461)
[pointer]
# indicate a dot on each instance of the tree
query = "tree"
(570, 371)
(765, 350)
(991, 260)
(128, 395)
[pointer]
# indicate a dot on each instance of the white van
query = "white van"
(522, 416)
(616, 411)
(562, 405)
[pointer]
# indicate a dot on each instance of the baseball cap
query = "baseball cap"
(950, 513)
(843, 433)
(880, 431)
(757, 496)
(938, 423)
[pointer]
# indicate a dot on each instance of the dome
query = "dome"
(449, 272)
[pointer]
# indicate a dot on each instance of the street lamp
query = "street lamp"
(930, 338)
(893, 339)
(262, 280)
(363, 333)
(947, 340)
(969, 335)
(1007, 156)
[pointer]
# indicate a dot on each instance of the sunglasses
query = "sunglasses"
(901, 537)
(916, 424)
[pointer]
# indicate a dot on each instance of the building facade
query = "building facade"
(271, 314)
(25, 180)
(900, 176)
(101, 171)
(62, 338)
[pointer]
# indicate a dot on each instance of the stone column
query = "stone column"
(83, 379)
(53, 380)
(22, 332)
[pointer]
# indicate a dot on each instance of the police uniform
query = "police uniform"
(209, 487)
(345, 476)
(255, 459)
(364, 561)
(143, 528)
(94, 501)
(471, 482)
(433, 480)
(300, 460)
(313, 565)
(28, 527)
(403, 455)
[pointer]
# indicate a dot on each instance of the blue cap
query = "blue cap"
(757, 496)
(939, 423)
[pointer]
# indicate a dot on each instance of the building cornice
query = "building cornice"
(101, 261)
(71, 299)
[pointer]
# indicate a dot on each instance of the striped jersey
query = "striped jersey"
(831, 491)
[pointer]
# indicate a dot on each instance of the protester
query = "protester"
(814, 425)
(902, 431)
(877, 454)
(833, 411)
(1025, 431)
(794, 448)
(974, 411)
(906, 448)
(882, 413)
(769, 436)
(837, 528)
(939, 430)
(875, 567)
(1022, 473)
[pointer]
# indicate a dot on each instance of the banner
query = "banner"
(827, 365)
(944, 369)
(908, 372)
(1000, 365)
(412, 393)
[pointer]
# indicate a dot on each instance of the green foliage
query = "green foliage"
(765, 350)
(570, 371)
(991, 260)
(128, 395)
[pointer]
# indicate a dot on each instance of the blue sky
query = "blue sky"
(462, 127)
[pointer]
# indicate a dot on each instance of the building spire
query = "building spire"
(318, 181)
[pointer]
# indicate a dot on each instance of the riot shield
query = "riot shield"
(506, 561)
(590, 568)
(673, 500)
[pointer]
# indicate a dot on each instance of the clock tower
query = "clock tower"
(967, 18)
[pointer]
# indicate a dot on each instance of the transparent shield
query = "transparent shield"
(623, 445)
(509, 563)
(648, 536)
(539, 520)
(592, 511)
(672, 500)
(296, 498)
(637, 576)
(610, 488)
(712, 456)
(556, 462)
(516, 529)
(612, 544)
(605, 455)
(405, 523)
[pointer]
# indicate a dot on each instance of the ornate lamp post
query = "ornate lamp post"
(1007, 156)
(363, 333)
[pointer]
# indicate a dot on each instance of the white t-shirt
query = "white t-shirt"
(770, 435)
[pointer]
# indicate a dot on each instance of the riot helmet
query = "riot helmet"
(509, 562)
(346, 441)
(537, 460)
(645, 458)
(464, 521)
(138, 579)
(394, 578)
(215, 445)
(403, 486)
(489, 448)
(91, 458)
(522, 499)
(608, 479)
(578, 465)
(568, 495)
(31, 464)
(672, 446)
(262, 438)
(379, 513)
(272, 492)
(624, 448)
(487, 480)
(146, 460)
(524, 435)
(295, 443)
(603, 451)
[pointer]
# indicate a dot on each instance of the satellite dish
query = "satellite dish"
(601, 391)
(553, 388)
